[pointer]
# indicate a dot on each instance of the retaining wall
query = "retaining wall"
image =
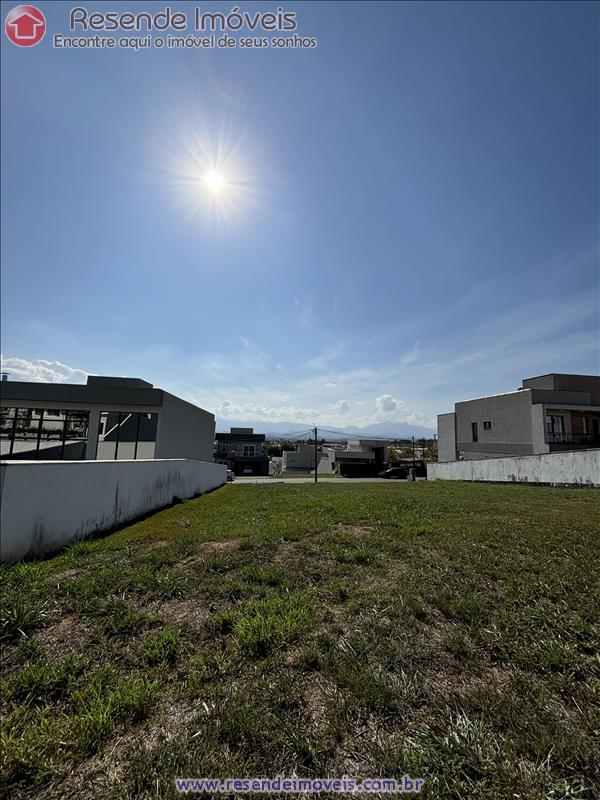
(48, 504)
(567, 468)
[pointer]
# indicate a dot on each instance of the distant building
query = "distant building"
(243, 451)
(360, 457)
(105, 419)
(302, 459)
(549, 413)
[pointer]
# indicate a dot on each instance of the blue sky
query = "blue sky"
(411, 215)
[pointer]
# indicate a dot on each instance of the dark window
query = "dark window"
(126, 435)
(474, 432)
(555, 423)
(8, 418)
(487, 425)
(44, 434)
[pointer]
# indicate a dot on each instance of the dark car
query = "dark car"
(418, 464)
(394, 472)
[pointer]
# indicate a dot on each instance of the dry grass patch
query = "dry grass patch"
(191, 611)
(68, 635)
(206, 550)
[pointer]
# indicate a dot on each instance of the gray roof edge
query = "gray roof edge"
(25, 391)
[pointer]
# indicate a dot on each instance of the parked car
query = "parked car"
(419, 464)
(230, 475)
(247, 471)
(394, 472)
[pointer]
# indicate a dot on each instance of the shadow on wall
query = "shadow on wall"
(67, 500)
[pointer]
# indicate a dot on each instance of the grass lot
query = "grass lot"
(445, 630)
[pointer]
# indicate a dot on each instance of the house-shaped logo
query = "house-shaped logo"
(25, 25)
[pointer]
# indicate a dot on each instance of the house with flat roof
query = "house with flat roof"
(302, 459)
(243, 451)
(105, 419)
(546, 414)
(360, 458)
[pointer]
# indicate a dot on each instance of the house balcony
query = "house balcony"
(579, 439)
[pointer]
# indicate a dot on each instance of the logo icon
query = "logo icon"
(25, 26)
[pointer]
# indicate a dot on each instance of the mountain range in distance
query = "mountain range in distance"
(390, 430)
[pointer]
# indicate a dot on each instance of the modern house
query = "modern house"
(360, 457)
(302, 459)
(243, 451)
(548, 413)
(105, 419)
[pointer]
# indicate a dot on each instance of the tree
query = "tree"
(394, 454)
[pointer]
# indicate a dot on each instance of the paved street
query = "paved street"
(311, 479)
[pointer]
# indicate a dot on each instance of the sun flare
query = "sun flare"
(214, 176)
(215, 181)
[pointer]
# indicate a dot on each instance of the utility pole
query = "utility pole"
(316, 454)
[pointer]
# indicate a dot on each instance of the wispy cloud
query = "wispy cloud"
(303, 310)
(254, 411)
(323, 360)
(244, 379)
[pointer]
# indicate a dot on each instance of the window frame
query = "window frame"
(35, 431)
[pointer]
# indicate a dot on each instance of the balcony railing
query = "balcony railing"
(590, 439)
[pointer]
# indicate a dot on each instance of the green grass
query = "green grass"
(450, 631)
(271, 622)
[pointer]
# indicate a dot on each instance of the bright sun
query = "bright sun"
(215, 181)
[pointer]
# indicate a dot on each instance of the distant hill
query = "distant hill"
(390, 430)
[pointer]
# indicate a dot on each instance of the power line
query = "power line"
(358, 435)
(293, 434)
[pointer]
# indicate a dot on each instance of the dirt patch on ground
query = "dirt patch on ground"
(190, 611)
(66, 574)
(318, 695)
(388, 576)
(207, 549)
(70, 635)
(493, 676)
(285, 553)
(354, 530)
(158, 545)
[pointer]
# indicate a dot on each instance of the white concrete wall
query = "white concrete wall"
(48, 504)
(572, 467)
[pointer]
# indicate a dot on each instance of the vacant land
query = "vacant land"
(448, 631)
